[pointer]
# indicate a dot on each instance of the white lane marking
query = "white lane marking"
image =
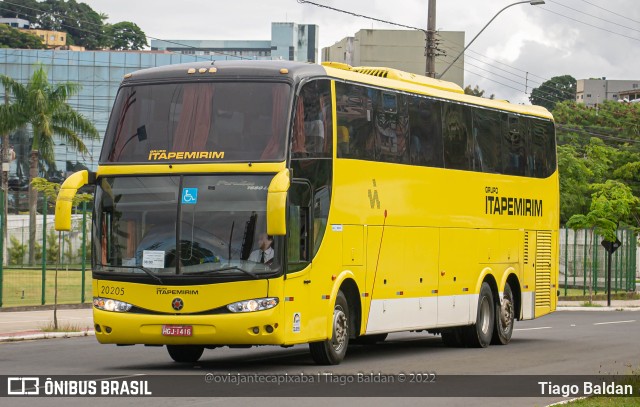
(532, 329)
(615, 322)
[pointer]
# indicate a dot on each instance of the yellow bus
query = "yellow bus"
(282, 203)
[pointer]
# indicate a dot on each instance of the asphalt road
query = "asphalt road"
(564, 343)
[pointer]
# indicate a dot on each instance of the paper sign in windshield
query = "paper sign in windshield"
(153, 259)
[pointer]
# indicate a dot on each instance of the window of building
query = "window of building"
(588, 95)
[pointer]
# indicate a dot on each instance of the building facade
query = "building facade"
(289, 41)
(99, 73)
(51, 39)
(399, 49)
(594, 91)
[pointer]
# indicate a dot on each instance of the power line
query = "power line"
(591, 15)
(612, 12)
(579, 130)
(590, 25)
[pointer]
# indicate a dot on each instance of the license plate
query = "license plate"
(177, 330)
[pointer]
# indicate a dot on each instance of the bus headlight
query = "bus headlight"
(107, 304)
(257, 304)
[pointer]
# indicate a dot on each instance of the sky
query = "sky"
(524, 46)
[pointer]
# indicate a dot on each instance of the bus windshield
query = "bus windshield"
(198, 122)
(192, 225)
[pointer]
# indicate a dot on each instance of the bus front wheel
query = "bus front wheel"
(479, 334)
(505, 316)
(333, 350)
(185, 353)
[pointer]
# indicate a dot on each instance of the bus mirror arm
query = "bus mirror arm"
(64, 202)
(277, 203)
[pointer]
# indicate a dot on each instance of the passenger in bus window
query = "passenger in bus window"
(265, 252)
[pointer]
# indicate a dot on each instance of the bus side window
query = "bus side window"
(312, 126)
(513, 145)
(541, 149)
(487, 145)
(298, 224)
(425, 118)
(354, 108)
(458, 144)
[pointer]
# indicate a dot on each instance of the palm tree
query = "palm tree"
(44, 106)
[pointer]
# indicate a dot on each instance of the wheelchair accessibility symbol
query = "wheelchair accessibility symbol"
(189, 196)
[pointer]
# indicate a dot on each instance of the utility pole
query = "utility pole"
(430, 51)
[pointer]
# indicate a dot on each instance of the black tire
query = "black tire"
(505, 315)
(479, 334)
(185, 353)
(453, 338)
(369, 339)
(332, 351)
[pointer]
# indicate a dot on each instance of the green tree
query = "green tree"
(613, 204)
(476, 92)
(125, 35)
(24, 9)
(556, 89)
(43, 106)
(14, 38)
(82, 24)
(574, 183)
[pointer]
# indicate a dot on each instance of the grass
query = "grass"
(605, 401)
(23, 287)
(576, 294)
(64, 327)
(590, 304)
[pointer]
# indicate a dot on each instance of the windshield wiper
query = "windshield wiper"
(146, 270)
(247, 272)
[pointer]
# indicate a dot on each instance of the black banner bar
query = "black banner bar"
(366, 384)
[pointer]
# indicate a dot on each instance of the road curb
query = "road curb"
(598, 309)
(44, 335)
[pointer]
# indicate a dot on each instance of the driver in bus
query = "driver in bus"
(265, 253)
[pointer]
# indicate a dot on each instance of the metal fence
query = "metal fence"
(62, 260)
(583, 263)
(67, 255)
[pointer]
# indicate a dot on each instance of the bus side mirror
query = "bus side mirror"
(277, 204)
(64, 203)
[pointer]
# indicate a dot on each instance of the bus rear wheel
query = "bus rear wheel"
(185, 353)
(505, 316)
(479, 334)
(332, 351)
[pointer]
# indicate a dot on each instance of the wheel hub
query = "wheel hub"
(506, 314)
(340, 330)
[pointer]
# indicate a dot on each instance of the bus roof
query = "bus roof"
(409, 82)
(196, 71)
(297, 71)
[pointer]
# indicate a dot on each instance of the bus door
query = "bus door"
(299, 302)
